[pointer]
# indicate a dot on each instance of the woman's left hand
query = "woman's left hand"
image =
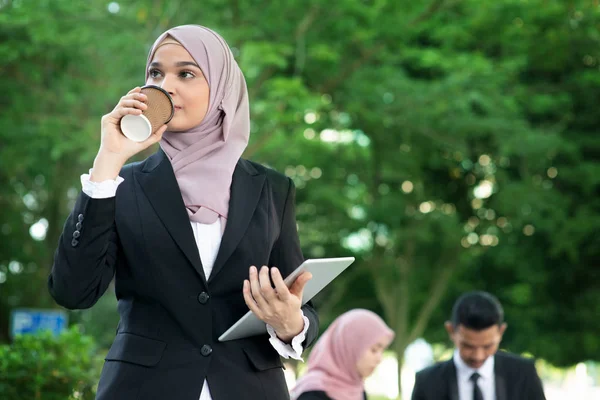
(279, 306)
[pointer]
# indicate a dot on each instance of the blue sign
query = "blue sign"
(26, 321)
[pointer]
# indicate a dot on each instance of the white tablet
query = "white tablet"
(323, 271)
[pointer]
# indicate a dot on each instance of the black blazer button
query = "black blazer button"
(76, 234)
(78, 226)
(74, 242)
(203, 298)
(206, 350)
(80, 218)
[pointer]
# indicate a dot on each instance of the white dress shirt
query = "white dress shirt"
(208, 240)
(486, 382)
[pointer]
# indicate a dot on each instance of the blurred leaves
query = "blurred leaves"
(39, 366)
(393, 118)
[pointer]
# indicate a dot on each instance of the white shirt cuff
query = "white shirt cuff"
(294, 349)
(100, 190)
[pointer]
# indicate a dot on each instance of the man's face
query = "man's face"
(475, 346)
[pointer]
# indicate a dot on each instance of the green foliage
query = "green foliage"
(43, 366)
(392, 118)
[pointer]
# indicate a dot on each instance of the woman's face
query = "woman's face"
(371, 358)
(173, 69)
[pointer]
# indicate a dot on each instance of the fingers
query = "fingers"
(256, 288)
(252, 306)
(262, 299)
(258, 292)
(134, 95)
(120, 112)
(136, 89)
(282, 290)
(132, 103)
(266, 289)
(156, 136)
(298, 287)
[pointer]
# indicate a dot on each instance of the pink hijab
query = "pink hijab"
(332, 362)
(204, 157)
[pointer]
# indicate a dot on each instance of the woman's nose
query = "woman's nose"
(167, 84)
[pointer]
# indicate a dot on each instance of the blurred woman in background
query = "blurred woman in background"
(344, 356)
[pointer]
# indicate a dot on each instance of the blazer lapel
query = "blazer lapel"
(500, 378)
(452, 380)
(158, 182)
(246, 187)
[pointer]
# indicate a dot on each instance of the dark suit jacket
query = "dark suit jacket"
(516, 379)
(319, 395)
(171, 315)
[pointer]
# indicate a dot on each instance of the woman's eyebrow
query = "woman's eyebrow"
(186, 63)
(177, 64)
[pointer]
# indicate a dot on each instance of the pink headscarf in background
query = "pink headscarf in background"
(205, 156)
(332, 362)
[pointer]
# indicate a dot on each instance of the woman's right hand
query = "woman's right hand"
(116, 148)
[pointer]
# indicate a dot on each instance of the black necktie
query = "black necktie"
(477, 395)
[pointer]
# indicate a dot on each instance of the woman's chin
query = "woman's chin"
(176, 128)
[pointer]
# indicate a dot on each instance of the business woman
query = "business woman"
(193, 236)
(346, 354)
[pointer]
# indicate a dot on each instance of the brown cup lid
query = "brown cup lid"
(160, 106)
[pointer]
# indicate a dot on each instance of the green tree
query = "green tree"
(449, 145)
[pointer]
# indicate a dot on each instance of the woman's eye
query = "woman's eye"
(186, 74)
(154, 73)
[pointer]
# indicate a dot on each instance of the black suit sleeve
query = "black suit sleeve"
(418, 389)
(314, 395)
(535, 389)
(287, 253)
(84, 261)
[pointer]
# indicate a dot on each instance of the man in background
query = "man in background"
(477, 370)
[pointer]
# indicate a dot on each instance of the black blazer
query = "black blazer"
(319, 395)
(516, 379)
(171, 315)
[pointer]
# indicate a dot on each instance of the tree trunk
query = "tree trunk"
(396, 299)
(399, 348)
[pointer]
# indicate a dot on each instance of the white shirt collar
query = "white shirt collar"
(464, 372)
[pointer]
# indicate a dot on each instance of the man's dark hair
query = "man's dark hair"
(477, 311)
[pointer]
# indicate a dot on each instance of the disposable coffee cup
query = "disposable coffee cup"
(160, 110)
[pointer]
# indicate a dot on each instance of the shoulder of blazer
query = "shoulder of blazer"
(277, 180)
(314, 395)
(148, 164)
(127, 173)
(437, 371)
(512, 362)
(128, 169)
